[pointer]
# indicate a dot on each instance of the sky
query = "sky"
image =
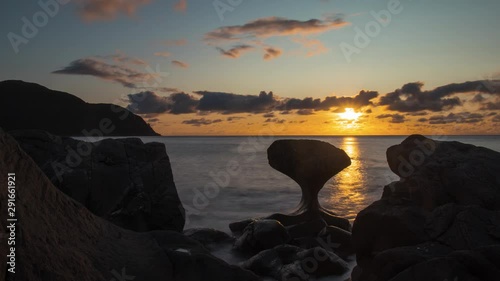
(241, 67)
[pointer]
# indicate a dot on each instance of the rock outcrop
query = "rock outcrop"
(310, 242)
(443, 214)
(122, 180)
(58, 239)
(64, 114)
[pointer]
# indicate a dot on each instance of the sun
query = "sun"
(349, 114)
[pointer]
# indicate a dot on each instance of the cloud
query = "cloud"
(274, 26)
(271, 53)
(233, 118)
(201, 122)
(463, 117)
(120, 57)
(235, 51)
(150, 103)
(162, 54)
(364, 98)
(395, 118)
(93, 10)
(181, 6)
(313, 47)
(275, 120)
(124, 75)
(233, 103)
(268, 115)
(411, 98)
(495, 105)
(153, 120)
(496, 118)
(180, 64)
(305, 112)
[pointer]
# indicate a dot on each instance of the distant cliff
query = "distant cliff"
(31, 106)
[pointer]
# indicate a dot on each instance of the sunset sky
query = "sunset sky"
(239, 67)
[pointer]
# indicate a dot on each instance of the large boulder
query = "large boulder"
(439, 221)
(434, 173)
(58, 239)
(122, 180)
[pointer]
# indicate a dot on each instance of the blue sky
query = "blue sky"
(436, 42)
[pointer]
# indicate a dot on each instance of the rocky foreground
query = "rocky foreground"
(110, 211)
(441, 221)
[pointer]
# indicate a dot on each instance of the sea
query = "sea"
(226, 179)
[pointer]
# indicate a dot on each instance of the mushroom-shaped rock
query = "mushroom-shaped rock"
(311, 163)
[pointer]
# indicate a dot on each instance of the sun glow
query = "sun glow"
(350, 114)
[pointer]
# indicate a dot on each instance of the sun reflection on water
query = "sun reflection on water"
(345, 194)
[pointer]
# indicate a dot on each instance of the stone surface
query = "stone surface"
(441, 172)
(59, 239)
(293, 263)
(208, 236)
(310, 163)
(122, 180)
(262, 235)
(439, 222)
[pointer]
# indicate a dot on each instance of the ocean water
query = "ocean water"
(225, 179)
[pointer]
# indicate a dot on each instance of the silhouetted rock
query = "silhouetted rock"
(122, 180)
(293, 263)
(261, 235)
(310, 163)
(31, 106)
(387, 224)
(439, 172)
(307, 229)
(59, 239)
(439, 222)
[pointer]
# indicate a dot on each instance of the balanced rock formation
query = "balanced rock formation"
(64, 114)
(310, 242)
(122, 180)
(58, 239)
(444, 213)
(310, 163)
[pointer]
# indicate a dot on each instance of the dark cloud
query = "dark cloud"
(478, 98)
(274, 26)
(201, 122)
(235, 51)
(491, 105)
(305, 112)
(268, 115)
(395, 118)
(496, 118)
(422, 120)
(275, 120)
(463, 117)
(124, 75)
(411, 98)
(232, 103)
(360, 100)
(153, 120)
(233, 118)
(150, 103)
(271, 53)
